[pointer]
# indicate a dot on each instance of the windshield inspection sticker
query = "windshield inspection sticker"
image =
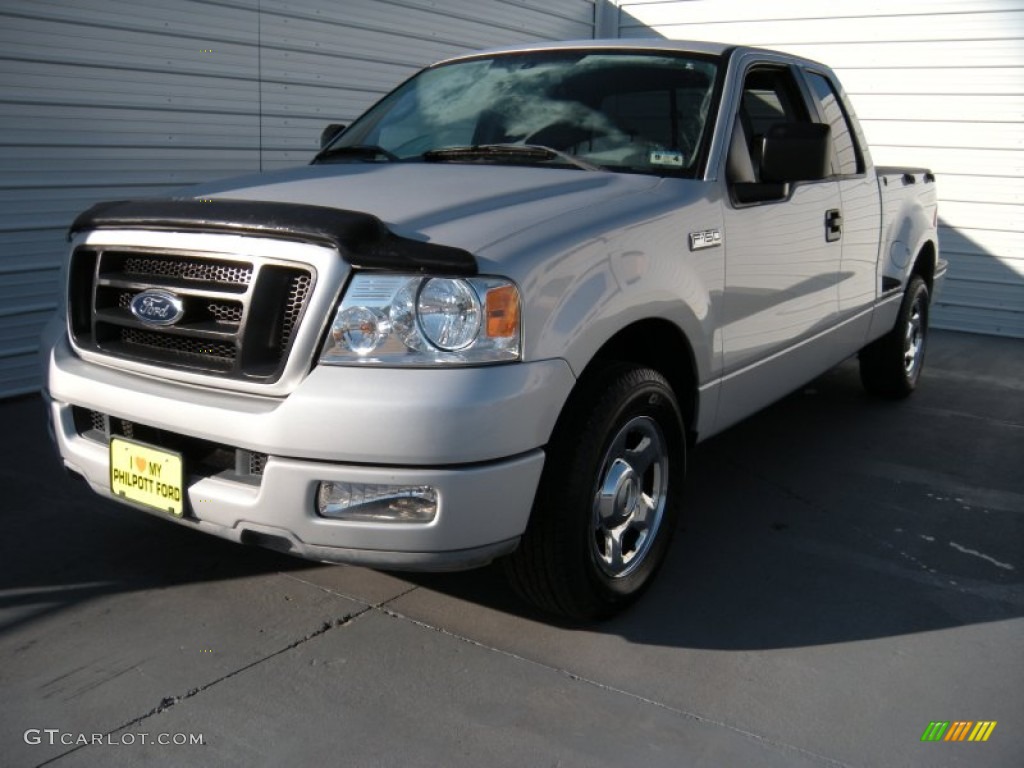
(666, 157)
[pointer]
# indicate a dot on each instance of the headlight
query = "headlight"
(449, 313)
(416, 320)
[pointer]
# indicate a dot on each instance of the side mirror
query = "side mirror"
(753, 192)
(328, 134)
(796, 152)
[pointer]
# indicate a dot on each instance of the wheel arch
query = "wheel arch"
(925, 264)
(661, 345)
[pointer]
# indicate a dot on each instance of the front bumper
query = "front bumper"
(473, 434)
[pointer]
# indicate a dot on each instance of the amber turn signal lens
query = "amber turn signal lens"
(502, 310)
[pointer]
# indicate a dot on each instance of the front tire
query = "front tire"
(891, 366)
(608, 499)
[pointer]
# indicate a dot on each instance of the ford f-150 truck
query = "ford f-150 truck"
(494, 315)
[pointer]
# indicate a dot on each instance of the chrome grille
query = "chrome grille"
(240, 313)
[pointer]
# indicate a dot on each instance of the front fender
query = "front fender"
(580, 298)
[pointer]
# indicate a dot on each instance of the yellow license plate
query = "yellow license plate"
(147, 476)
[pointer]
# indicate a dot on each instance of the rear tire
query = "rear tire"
(891, 366)
(608, 498)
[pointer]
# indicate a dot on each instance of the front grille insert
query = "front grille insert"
(225, 312)
(298, 292)
(240, 314)
(207, 270)
(256, 462)
(213, 353)
(203, 458)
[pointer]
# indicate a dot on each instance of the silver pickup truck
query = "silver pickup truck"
(494, 315)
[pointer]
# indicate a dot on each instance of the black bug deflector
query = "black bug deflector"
(361, 238)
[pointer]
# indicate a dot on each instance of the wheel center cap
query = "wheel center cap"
(625, 499)
(617, 499)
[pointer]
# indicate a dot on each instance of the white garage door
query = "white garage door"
(936, 83)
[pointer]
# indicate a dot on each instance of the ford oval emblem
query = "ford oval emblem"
(157, 307)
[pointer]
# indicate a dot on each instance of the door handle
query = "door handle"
(833, 225)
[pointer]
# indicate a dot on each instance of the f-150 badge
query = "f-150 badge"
(709, 238)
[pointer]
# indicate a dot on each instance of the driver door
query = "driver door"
(782, 260)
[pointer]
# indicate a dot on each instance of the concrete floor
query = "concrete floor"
(848, 571)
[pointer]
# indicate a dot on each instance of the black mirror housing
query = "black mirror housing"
(328, 134)
(797, 152)
(748, 193)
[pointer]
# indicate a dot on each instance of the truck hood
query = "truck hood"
(464, 205)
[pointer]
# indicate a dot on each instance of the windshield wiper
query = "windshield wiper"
(358, 151)
(535, 152)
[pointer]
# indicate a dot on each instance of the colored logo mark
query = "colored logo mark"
(958, 730)
(157, 307)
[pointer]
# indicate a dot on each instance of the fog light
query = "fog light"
(372, 503)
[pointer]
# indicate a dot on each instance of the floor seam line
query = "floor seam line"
(612, 689)
(170, 701)
(346, 596)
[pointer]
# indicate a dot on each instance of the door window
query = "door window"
(848, 156)
(770, 97)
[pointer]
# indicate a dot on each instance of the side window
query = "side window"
(770, 97)
(850, 160)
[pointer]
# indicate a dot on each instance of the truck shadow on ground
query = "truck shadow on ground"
(830, 517)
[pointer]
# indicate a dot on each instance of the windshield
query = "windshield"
(619, 111)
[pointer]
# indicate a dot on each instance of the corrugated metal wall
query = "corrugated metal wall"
(108, 99)
(325, 61)
(937, 83)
